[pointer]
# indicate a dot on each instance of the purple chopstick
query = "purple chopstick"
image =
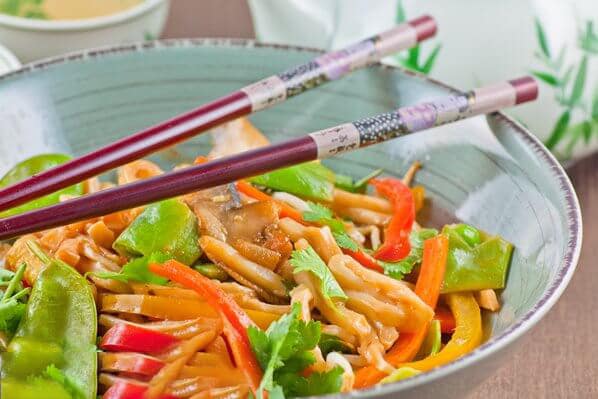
(317, 145)
(252, 98)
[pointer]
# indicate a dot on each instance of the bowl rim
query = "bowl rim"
(551, 294)
(67, 25)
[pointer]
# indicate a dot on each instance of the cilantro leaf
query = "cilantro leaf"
(283, 348)
(399, 269)
(360, 186)
(307, 260)
(316, 384)
(317, 212)
(138, 270)
(344, 241)
(320, 214)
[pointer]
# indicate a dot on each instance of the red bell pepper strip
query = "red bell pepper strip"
(129, 362)
(236, 320)
(130, 338)
(447, 320)
(427, 287)
(126, 390)
(396, 237)
(364, 259)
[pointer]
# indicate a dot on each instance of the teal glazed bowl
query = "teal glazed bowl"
(487, 171)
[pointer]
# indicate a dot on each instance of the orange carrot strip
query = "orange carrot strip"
(427, 287)
(200, 159)
(285, 210)
(236, 321)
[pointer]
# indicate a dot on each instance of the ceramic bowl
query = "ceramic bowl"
(487, 171)
(33, 39)
(8, 61)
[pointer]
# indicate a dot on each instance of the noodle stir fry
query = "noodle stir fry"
(294, 283)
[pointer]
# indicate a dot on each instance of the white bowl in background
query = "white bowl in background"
(32, 39)
(8, 61)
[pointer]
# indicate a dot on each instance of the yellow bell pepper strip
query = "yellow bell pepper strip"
(158, 307)
(467, 335)
(427, 288)
(396, 243)
(236, 321)
(400, 374)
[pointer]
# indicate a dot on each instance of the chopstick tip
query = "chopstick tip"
(425, 27)
(526, 89)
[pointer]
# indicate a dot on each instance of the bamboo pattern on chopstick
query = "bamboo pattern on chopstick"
(383, 127)
(336, 64)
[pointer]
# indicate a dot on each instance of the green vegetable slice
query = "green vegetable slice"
(360, 186)
(308, 180)
(474, 267)
(331, 343)
(57, 332)
(30, 167)
(167, 226)
(13, 301)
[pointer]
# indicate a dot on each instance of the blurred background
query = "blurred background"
(479, 42)
(556, 40)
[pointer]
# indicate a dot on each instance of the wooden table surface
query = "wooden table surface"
(559, 358)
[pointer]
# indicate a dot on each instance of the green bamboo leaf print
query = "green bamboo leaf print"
(559, 130)
(413, 58)
(427, 67)
(546, 77)
(567, 76)
(401, 16)
(588, 39)
(586, 128)
(595, 105)
(579, 83)
(542, 38)
(560, 59)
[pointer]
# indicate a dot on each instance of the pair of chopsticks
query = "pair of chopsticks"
(322, 144)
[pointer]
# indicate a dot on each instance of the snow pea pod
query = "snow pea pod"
(167, 226)
(309, 180)
(476, 260)
(30, 167)
(53, 351)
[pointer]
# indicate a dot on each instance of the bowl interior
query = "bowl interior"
(483, 171)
